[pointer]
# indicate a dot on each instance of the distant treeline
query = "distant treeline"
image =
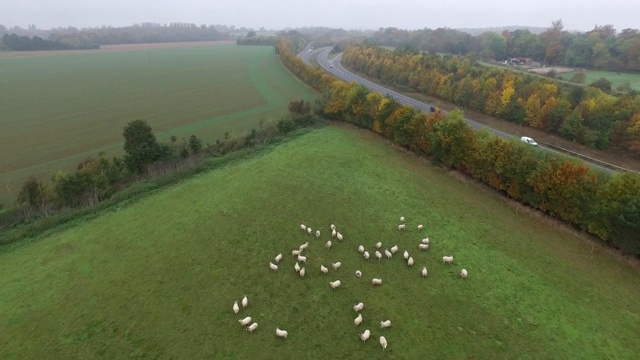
(253, 39)
(25, 43)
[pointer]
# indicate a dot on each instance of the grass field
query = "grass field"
(157, 278)
(57, 110)
(616, 80)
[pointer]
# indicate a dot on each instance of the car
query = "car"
(528, 140)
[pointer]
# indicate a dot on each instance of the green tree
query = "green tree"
(195, 144)
(141, 146)
(33, 195)
(579, 77)
(602, 84)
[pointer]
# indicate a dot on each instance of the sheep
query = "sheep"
(302, 272)
(358, 273)
(410, 261)
(245, 321)
(406, 255)
(385, 324)
(423, 246)
(383, 342)
(278, 258)
(328, 244)
(333, 233)
(424, 271)
(273, 267)
(323, 269)
(366, 255)
(252, 327)
(302, 259)
(339, 236)
(303, 227)
(295, 252)
(236, 308)
(309, 230)
(463, 273)
(401, 219)
(361, 249)
(447, 259)
(245, 301)
(297, 267)
(420, 227)
(336, 266)
(388, 254)
(425, 240)
(402, 227)
(333, 227)
(318, 234)
(378, 255)
(281, 333)
(376, 281)
(378, 245)
(365, 335)
(394, 249)
(358, 320)
(304, 246)
(358, 307)
(334, 284)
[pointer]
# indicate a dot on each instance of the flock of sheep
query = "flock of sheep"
(301, 271)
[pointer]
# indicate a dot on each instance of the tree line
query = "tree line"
(588, 115)
(605, 205)
(601, 48)
(25, 43)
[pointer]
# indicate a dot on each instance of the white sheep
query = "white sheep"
(303, 227)
(423, 246)
(297, 267)
(295, 252)
(378, 245)
(302, 272)
(334, 284)
(463, 273)
(245, 321)
(394, 249)
(383, 342)
(236, 308)
(366, 255)
(406, 255)
(447, 259)
(323, 269)
(376, 281)
(410, 261)
(304, 246)
(388, 254)
(402, 227)
(385, 324)
(361, 249)
(425, 240)
(336, 266)
(278, 258)
(309, 230)
(365, 335)
(401, 219)
(252, 327)
(302, 259)
(358, 273)
(333, 227)
(424, 271)
(281, 333)
(328, 244)
(358, 307)
(339, 236)
(318, 234)
(273, 266)
(333, 233)
(358, 320)
(245, 301)
(420, 227)
(378, 255)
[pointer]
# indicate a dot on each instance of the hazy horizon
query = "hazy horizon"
(345, 14)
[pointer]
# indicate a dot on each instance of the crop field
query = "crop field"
(616, 80)
(157, 278)
(59, 109)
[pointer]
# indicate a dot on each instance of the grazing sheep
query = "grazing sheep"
(304, 246)
(339, 236)
(252, 327)
(245, 321)
(361, 249)
(245, 301)
(463, 273)
(295, 252)
(358, 273)
(378, 255)
(309, 230)
(402, 227)
(406, 255)
(410, 261)
(297, 267)
(281, 333)
(302, 272)
(358, 320)
(378, 245)
(365, 335)
(278, 258)
(303, 227)
(328, 244)
(302, 259)
(423, 246)
(420, 227)
(383, 342)
(333, 227)
(366, 255)
(318, 234)
(376, 281)
(334, 284)
(358, 307)
(394, 249)
(236, 308)
(333, 233)
(424, 271)
(273, 266)
(401, 219)
(336, 266)
(447, 259)
(385, 324)
(425, 240)
(323, 269)
(388, 254)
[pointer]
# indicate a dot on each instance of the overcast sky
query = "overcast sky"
(579, 15)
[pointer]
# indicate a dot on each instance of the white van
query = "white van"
(528, 140)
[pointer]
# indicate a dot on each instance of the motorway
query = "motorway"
(334, 67)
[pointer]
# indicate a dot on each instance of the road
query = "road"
(334, 67)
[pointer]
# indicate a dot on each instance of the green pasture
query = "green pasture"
(59, 109)
(157, 278)
(616, 80)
